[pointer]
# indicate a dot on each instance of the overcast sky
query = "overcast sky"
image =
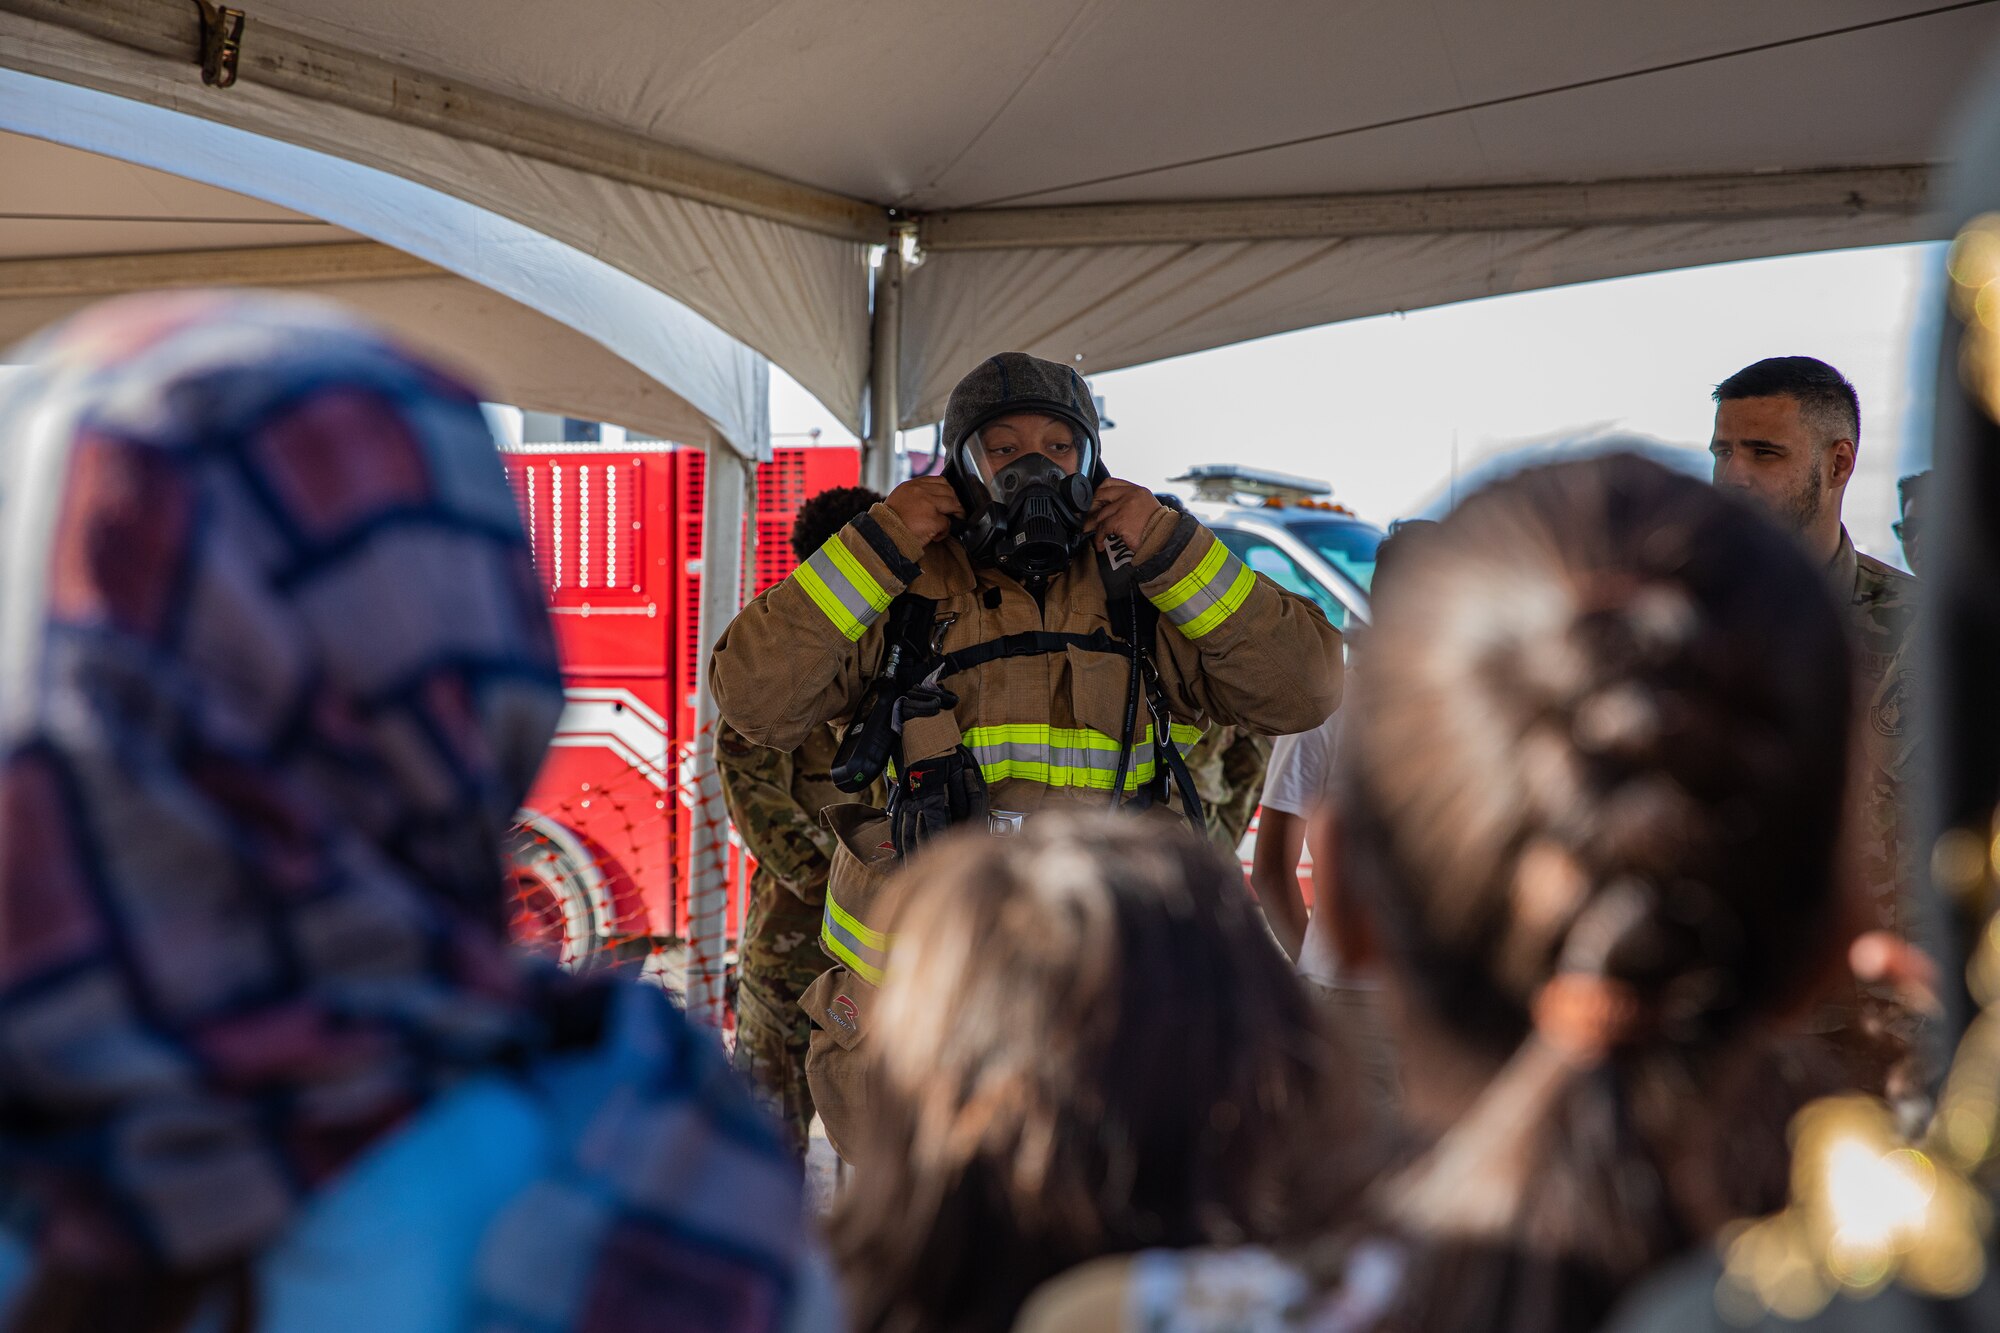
(1374, 405)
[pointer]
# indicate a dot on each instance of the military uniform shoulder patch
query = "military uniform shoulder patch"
(1891, 713)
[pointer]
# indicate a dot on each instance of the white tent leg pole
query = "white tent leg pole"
(878, 462)
(708, 841)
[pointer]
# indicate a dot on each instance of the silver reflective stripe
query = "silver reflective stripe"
(1201, 605)
(838, 583)
(843, 589)
(1208, 594)
(843, 936)
(1059, 756)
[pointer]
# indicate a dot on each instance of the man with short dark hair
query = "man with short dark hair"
(1787, 432)
(1786, 438)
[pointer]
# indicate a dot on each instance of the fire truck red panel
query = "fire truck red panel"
(616, 533)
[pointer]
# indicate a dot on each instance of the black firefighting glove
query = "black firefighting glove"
(934, 796)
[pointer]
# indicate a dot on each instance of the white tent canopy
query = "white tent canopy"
(1105, 181)
(173, 200)
(526, 318)
(100, 227)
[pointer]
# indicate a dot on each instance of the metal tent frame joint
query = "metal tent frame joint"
(221, 43)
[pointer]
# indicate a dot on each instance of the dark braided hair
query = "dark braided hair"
(1591, 794)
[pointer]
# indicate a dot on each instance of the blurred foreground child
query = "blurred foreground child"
(275, 672)
(1587, 811)
(1100, 1051)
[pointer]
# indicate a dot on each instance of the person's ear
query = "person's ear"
(1841, 456)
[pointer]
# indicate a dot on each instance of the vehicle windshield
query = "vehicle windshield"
(1346, 544)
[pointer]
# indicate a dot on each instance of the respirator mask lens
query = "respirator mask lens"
(1031, 521)
(985, 468)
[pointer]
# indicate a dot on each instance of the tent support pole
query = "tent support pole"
(708, 831)
(878, 460)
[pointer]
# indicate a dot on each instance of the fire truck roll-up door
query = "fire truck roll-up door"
(601, 852)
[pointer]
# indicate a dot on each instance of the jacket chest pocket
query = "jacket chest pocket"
(1100, 686)
(1090, 750)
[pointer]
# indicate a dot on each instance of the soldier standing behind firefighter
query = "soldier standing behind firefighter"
(774, 799)
(1228, 767)
(1021, 631)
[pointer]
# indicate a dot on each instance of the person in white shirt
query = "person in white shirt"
(1295, 787)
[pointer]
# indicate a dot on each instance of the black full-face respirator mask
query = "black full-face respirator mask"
(1025, 515)
(1023, 512)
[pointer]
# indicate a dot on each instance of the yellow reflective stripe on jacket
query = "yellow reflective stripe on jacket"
(1209, 594)
(842, 588)
(864, 951)
(1065, 756)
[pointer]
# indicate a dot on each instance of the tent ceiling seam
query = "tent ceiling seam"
(291, 62)
(312, 69)
(1831, 192)
(1486, 104)
(255, 266)
(165, 219)
(1013, 94)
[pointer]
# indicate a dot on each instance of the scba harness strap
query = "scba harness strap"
(947, 789)
(1031, 643)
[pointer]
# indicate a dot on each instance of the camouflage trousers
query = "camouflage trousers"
(779, 957)
(1229, 776)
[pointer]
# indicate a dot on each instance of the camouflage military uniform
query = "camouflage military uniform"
(1882, 605)
(1227, 765)
(774, 800)
(1881, 1042)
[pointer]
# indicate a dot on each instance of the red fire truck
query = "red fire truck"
(601, 851)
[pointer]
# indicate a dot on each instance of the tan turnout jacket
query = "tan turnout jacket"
(1232, 647)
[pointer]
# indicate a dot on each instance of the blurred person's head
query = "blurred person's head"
(1787, 432)
(1911, 495)
(1086, 1044)
(275, 674)
(1590, 794)
(1404, 534)
(827, 513)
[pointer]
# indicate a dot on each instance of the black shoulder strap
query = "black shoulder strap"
(1146, 624)
(866, 747)
(1032, 643)
(908, 633)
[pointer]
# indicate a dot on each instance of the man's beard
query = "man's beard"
(1799, 509)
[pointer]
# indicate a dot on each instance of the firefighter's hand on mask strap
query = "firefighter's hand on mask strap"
(1121, 509)
(926, 505)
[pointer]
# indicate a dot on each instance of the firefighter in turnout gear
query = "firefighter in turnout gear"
(1024, 630)
(774, 799)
